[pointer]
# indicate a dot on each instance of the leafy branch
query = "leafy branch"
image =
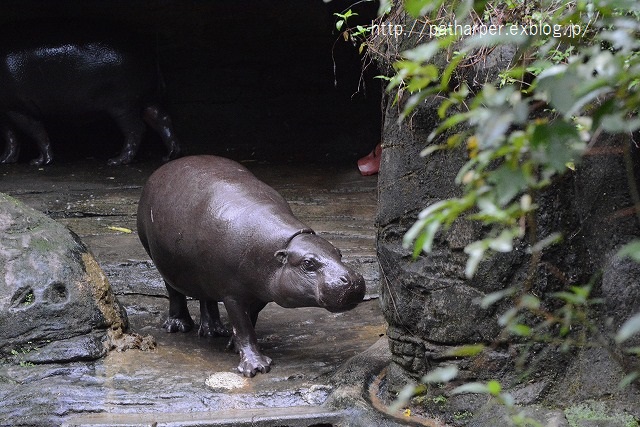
(521, 132)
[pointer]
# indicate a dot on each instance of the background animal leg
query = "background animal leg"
(132, 128)
(12, 148)
(35, 129)
(159, 120)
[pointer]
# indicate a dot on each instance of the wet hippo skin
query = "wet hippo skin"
(74, 72)
(217, 233)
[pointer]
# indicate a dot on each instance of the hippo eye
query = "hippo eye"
(309, 265)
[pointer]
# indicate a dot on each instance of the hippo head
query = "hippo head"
(313, 275)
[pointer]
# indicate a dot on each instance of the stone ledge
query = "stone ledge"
(265, 417)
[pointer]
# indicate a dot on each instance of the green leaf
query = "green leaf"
(419, 8)
(418, 245)
(502, 243)
(471, 388)
(475, 251)
(430, 232)
(582, 291)
(579, 295)
(494, 387)
(463, 9)
(628, 328)
(508, 316)
(479, 6)
(423, 52)
(489, 40)
(620, 122)
(509, 181)
(403, 397)
(412, 234)
(520, 330)
(633, 350)
(530, 302)
(441, 375)
(432, 149)
(603, 110)
(628, 379)
(384, 7)
(551, 239)
(469, 350)
(494, 297)
(558, 85)
(631, 250)
(444, 106)
(554, 145)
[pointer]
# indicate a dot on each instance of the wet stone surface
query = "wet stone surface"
(307, 345)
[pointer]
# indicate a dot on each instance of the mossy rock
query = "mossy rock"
(56, 304)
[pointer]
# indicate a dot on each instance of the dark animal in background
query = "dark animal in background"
(64, 73)
(217, 233)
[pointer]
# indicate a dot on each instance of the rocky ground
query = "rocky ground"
(185, 377)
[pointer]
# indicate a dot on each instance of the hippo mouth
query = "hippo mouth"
(342, 298)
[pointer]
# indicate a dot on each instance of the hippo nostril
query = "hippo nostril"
(344, 279)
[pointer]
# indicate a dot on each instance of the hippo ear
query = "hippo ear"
(281, 256)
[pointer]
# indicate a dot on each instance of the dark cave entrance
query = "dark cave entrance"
(247, 80)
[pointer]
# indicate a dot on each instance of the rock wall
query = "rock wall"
(432, 308)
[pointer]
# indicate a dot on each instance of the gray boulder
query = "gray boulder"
(56, 304)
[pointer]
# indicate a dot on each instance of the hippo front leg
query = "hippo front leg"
(179, 318)
(160, 121)
(242, 319)
(12, 149)
(210, 323)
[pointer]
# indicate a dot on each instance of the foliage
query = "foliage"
(575, 75)
(587, 86)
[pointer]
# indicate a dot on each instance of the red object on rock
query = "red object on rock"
(370, 164)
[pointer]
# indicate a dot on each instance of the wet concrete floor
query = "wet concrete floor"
(187, 374)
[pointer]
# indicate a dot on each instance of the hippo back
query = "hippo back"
(49, 69)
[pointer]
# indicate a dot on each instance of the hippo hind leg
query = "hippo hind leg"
(179, 318)
(159, 120)
(132, 128)
(35, 129)
(210, 323)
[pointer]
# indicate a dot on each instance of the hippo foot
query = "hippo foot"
(251, 364)
(173, 154)
(7, 159)
(175, 324)
(216, 329)
(122, 159)
(116, 161)
(41, 161)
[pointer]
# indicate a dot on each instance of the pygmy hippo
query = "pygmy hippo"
(77, 72)
(217, 233)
